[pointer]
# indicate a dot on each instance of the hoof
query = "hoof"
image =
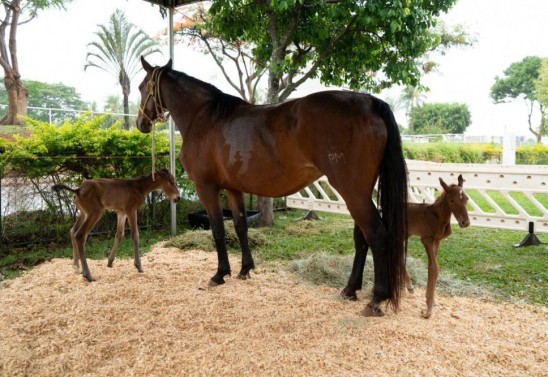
(213, 283)
(89, 278)
(347, 295)
(140, 269)
(411, 291)
(372, 311)
(426, 313)
(244, 276)
(109, 264)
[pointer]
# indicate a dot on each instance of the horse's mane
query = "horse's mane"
(222, 104)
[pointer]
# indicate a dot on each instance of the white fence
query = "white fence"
(514, 195)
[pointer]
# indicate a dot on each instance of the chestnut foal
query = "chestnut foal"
(124, 196)
(431, 222)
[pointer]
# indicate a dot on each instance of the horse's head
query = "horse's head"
(168, 185)
(151, 107)
(457, 199)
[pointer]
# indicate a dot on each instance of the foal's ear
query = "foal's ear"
(147, 67)
(169, 64)
(461, 180)
(444, 185)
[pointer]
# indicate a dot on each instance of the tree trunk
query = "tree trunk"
(126, 111)
(266, 207)
(125, 92)
(17, 101)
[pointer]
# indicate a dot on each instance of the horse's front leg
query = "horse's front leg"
(431, 246)
(355, 280)
(209, 196)
(237, 206)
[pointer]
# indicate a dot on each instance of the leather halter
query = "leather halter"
(153, 84)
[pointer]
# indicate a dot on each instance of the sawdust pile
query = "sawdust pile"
(167, 322)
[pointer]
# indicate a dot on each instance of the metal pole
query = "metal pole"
(173, 208)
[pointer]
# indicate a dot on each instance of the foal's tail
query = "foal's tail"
(393, 199)
(60, 187)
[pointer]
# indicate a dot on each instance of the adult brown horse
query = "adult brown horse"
(276, 150)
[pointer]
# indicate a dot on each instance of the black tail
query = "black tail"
(60, 187)
(393, 199)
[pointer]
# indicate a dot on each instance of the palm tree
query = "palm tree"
(117, 51)
(411, 97)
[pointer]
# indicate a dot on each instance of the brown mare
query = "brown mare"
(124, 196)
(432, 223)
(275, 150)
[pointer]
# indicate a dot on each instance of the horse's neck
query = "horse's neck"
(147, 184)
(441, 207)
(182, 97)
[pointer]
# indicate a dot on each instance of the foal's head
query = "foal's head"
(168, 184)
(457, 199)
(151, 108)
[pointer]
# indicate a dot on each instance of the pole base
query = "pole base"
(530, 240)
(311, 215)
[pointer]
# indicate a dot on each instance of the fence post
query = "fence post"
(509, 149)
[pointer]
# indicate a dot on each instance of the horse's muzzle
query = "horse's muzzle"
(143, 125)
(464, 223)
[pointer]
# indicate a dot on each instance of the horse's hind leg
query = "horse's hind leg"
(209, 197)
(356, 277)
(80, 237)
(376, 235)
(407, 279)
(120, 227)
(237, 205)
(75, 227)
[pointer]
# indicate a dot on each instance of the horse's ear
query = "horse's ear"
(169, 64)
(461, 180)
(147, 67)
(444, 185)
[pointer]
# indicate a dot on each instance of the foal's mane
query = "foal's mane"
(221, 104)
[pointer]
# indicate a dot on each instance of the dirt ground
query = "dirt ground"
(168, 322)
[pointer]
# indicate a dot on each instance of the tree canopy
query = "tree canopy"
(520, 82)
(117, 51)
(361, 44)
(12, 14)
(440, 118)
(53, 96)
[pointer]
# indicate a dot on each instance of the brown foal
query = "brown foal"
(124, 196)
(431, 222)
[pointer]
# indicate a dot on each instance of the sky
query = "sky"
(53, 47)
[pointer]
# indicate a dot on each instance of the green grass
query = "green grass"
(480, 259)
(505, 205)
(15, 261)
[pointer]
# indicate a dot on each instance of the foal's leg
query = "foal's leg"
(236, 202)
(209, 196)
(407, 279)
(80, 237)
(431, 246)
(75, 227)
(134, 229)
(120, 227)
(356, 276)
